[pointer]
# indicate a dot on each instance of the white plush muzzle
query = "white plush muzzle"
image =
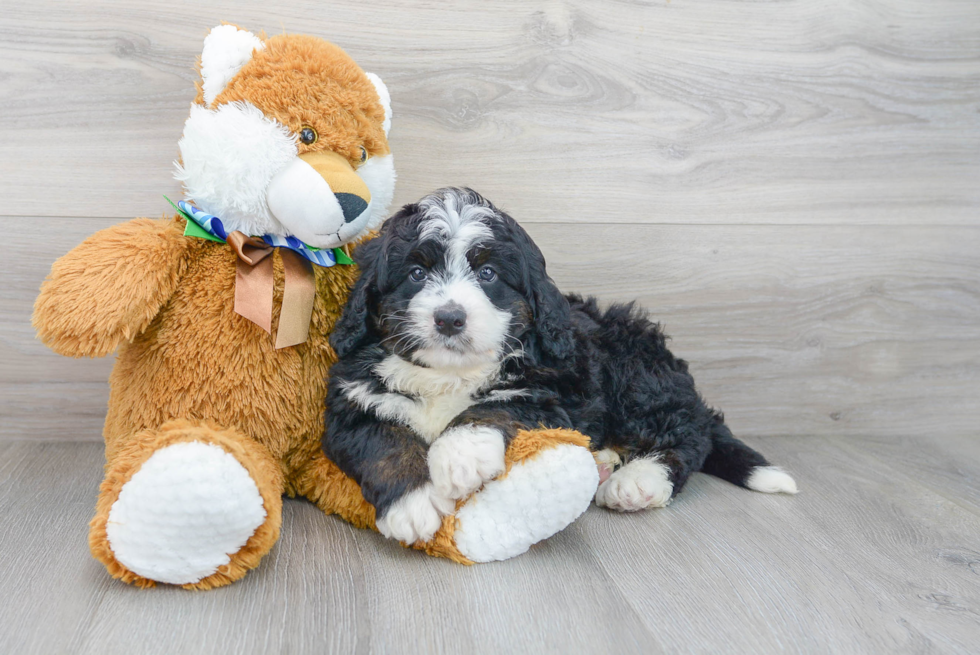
(303, 202)
(244, 168)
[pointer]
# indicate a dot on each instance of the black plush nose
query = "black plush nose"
(450, 319)
(352, 206)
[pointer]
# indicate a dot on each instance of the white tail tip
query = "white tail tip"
(771, 480)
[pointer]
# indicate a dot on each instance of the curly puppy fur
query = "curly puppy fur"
(455, 337)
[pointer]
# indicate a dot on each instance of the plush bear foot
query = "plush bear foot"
(180, 516)
(536, 499)
(186, 513)
(549, 480)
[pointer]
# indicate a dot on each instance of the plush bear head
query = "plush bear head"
(287, 137)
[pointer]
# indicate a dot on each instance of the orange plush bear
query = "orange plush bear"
(221, 316)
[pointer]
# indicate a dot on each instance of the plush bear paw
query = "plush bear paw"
(416, 516)
(538, 497)
(180, 517)
(464, 458)
(640, 484)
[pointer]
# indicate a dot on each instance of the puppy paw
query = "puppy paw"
(608, 461)
(416, 516)
(640, 484)
(463, 458)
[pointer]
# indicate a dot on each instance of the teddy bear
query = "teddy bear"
(221, 315)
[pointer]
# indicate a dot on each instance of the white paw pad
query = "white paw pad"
(416, 516)
(183, 513)
(463, 458)
(771, 480)
(642, 483)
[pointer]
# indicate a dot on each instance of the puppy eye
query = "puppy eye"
(308, 135)
(363, 155)
(487, 274)
(417, 274)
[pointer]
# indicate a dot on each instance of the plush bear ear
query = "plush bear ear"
(226, 50)
(382, 90)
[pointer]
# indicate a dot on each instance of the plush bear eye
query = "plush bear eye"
(363, 155)
(307, 135)
(487, 274)
(417, 274)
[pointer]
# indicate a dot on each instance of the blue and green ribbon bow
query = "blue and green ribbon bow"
(203, 225)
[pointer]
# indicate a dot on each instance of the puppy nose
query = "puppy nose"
(450, 319)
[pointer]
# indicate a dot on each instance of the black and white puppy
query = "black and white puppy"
(455, 337)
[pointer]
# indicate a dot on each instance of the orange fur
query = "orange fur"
(264, 470)
(91, 302)
(302, 80)
(189, 368)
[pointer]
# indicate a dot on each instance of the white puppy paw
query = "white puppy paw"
(416, 516)
(607, 460)
(640, 484)
(463, 458)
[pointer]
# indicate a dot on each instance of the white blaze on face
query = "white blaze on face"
(459, 226)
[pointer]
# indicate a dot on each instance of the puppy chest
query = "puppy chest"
(422, 398)
(433, 414)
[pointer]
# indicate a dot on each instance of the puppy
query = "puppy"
(455, 337)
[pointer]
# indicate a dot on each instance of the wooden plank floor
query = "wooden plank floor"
(879, 553)
(792, 187)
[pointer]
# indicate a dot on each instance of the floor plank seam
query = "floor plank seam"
(913, 480)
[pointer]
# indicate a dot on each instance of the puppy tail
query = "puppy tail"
(733, 461)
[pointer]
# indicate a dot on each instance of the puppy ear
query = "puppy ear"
(353, 326)
(552, 317)
(551, 313)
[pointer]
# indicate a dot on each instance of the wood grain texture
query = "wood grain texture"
(792, 187)
(791, 330)
(716, 111)
(874, 555)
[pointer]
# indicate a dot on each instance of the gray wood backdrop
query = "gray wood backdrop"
(792, 187)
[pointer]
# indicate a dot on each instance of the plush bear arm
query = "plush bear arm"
(110, 287)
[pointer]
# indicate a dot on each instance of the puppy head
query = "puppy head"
(453, 282)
